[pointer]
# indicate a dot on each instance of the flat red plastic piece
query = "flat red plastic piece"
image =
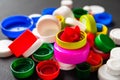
(22, 43)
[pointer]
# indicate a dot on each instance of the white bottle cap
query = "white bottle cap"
(33, 48)
(4, 50)
(94, 9)
(114, 35)
(74, 22)
(64, 66)
(115, 53)
(34, 15)
(68, 3)
(47, 27)
(104, 75)
(64, 11)
(113, 66)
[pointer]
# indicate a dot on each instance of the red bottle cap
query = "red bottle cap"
(93, 58)
(105, 56)
(90, 38)
(70, 34)
(22, 43)
(48, 70)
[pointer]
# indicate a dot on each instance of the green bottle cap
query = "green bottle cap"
(104, 43)
(44, 52)
(78, 12)
(83, 71)
(22, 67)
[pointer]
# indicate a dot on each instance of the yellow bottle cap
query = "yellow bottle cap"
(72, 45)
(104, 30)
(89, 22)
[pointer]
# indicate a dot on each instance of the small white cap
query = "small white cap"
(114, 35)
(47, 27)
(113, 66)
(64, 66)
(33, 48)
(74, 22)
(68, 3)
(104, 75)
(64, 11)
(34, 15)
(94, 9)
(115, 53)
(4, 50)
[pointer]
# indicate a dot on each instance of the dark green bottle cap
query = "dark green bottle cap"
(22, 67)
(44, 52)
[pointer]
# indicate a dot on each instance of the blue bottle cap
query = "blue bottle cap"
(99, 27)
(13, 26)
(104, 18)
(48, 11)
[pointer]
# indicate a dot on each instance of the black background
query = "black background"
(27, 7)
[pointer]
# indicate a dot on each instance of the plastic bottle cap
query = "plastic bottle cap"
(93, 58)
(99, 27)
(35, 17)
(104, 30)
(22, 43)
(104, 18)
(64, 66)
(105, 56)
(83, 71)
(78, 12)
(48, 70)
(62, 21)
(94, 9)
(90, 39)
(104, 75)
(113, 66)
(13, 26)
(115, 53)
(63, 11)
(22, 67)
(72, 45)
(89, 22)
(48, 26)
(32, 48)
(68, 3)
(74, 22)
(35, 32)
(48, 11)
(44, 52)
(114, 35)
(71, 56)
(4, 50)
(104, 43)
(96, 67)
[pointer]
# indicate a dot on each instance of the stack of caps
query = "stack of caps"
(71, 47)
(111, 70)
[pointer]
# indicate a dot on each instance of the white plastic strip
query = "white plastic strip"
(33, 48)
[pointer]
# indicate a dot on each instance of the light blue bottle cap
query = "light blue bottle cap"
(99, 27)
